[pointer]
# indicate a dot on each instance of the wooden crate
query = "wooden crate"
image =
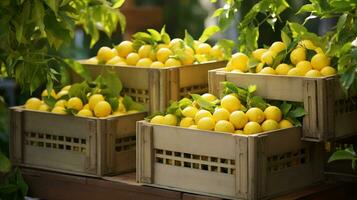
(329, 115)
(156, 87)
(226, 165)
(76, 145)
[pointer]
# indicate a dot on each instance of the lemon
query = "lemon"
(75, 103)
(163, 54)
(328, 71)
(273, 112)
(267, 70)
(116, 61)
(66, 88)
(206, 123)
(216, 52)
(124, 48)
(239, 119)
(86, 106)
(239, 61)
(189, 111)
(201, 114)
(62, 93)
(44, 107)
(257, 54)
(144, 51)
(269, 125)
(94, 99)
(106, 53)
(172, 62)
(187, 122)
(33, 103)
(255, 115)
(313, 73)
(176, 43)
(61, 103)
(252, 128)
(320, 61)
(268, 57)
(203, 48)
(170, 119)
(221, 114)
(283, 69)
(85, 113)
(121, 107)
(295, 72)
(59, 110)
(102, 109)
(157, 64)
(259, 67)
(277, 47)
(187, 57)
(238, 132)
(285, 124)
(307, 44)
(231, 103)
(91, 61)
(224, 126)
(158, 119)
(209, 97)
(318, 50)
(193, 127)
(159, 46)
(297, 55)
(45, 94)
(144, 62)
(304, 66)
(132, 59)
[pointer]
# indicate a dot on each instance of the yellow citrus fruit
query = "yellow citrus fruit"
(187, 122)
(239, 61)
(33, 103)
(170, 119)
(328, 71)
(269, 125)
(102, 109)
(44, 107)
(257, 54)
(144, 62)
(187, 57)
(159, 46)
(59, 110)
(163, 54)
(91, 61)
(45, 93)
(255, 115)
(267, 70)
(121, 107)
(203, 48)
(307, 44)
(106, 53)
(268, 57)
(132, 59)
(224, 126)
(62, 93)
(313, 73)
(217, 52)
(172, 62)
(283, 69)
(189, 111)
(144, 51)
(115, 60)
(221, 114)
(295, 72)
(201, 114)
(176, 43)
(238, 119)
(94, 99)
(61, 103)
(124, 48)
(273, 112)
(285, 124)
(75, 103)
(86, 106)
(85, 113)
(158, 119)
(157, 64)
(304, 66)
(66, 88)
(318, 50)
(238, 132)
(231, 103)
(208, 97)
(252, 128)
(297, 55)
(320, 61)
(277, 47)
(206, 123)
(259, 67)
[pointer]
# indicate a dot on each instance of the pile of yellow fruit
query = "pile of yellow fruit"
(174, 53)
(97, 105)
(228, 117)
(299, 65)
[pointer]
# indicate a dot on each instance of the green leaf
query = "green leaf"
(130, 104)
(341, 22)
(252, 89)
(79, 90)
(118, 3)
(113, 101)
(218, 12)
(230, 87)
(164, 36)
(110, 83)
(52, 4)
(203, 103)
(297, 112)
(155, 35)
(227, 46)
(5, 164)
(79, 69)
(257, 101)
(306, 8)
(285, 108)
(21, 182)
(8, 188)
(285, 38)
(346, 154)
(50, 101)
(208, 32)
(189, 40)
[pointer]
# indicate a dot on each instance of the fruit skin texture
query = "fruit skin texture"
(313, 73)
(224, 126)
(206, 123)
(208, 97)
(231, 103)
(203, 48)
(282, 69)
(320, 61)
(163, 54)
(85, 113)
(44, 107)
(106, 53)
(75, 103)
(238, 132)
(170, 119)
(255, 115)
(157, 64)
(189, 111)
(59, 110)
(328, 71)
(132, 59)
(33, 103)
(202, 113)
(268, 57)
(158, 119)
(257, 54)
(252, 128)
(269, 125)
(297, 55)
(144, 51)
(239, 119)
(295, 72)
(102, 109)
(172, 62)
(259, 67)
(221, 114)
(277, 47)
(94, 99)
(285, 124)
(307, 44)
(187, 122)
(62, 93)
(144, 62)
(124, 48)
(267, 70)
(239, 61)
(45, 94)
(273, 112)
(304, 66)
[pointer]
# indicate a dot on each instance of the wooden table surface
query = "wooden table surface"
(58, 186)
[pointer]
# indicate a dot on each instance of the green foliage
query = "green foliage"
(203, 103)
(13, 186)
(345, 154)
(294, 112)
(130, 104)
